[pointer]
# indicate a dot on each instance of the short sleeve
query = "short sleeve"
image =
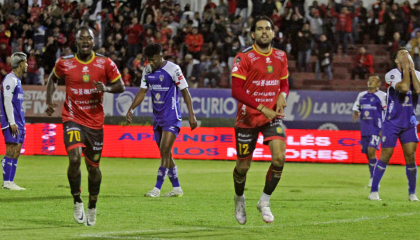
(112, 72)
(240, 66)
(179, 78)
(285, 70)
(356, 105)
(393, 77)
(9, 85)
(59, 68)
(143, 83)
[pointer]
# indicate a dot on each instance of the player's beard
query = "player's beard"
(263, 45)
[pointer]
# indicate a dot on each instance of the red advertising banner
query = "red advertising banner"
(207, 144)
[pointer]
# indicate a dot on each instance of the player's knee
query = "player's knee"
(410, 157)
(242, 168)
(165, 152)
(10, 151)
(278, 160)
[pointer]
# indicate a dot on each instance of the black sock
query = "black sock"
(272, 179)
(75, 188)
(94, 188)
(239, 182)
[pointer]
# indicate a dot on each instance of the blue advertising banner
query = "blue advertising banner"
(302, 106)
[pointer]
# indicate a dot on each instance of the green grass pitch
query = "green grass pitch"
(312, 201)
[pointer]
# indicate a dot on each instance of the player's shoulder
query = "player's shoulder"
(98, 55)
(247, 50)
(361, 94)
(67, 57)
(279, 53)
(380, 93)
(393, 75)
(172, 68)
(10, 77)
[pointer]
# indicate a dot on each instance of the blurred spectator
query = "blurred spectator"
(315, 22)
(5, 51)
(126, 77)
(213, 75)
(344, 26)
(394, 45)
(192, 71)
(363, 63)
(49, 55)
(222, 9)
(394, 19)
(39, 36)
(242, 8)
(323, 51)
(4, 34)
(413, 47)
(267, 7)
(303, 48)
(32, 70)
(18, 46)
(194, 42)
(134, 32)
(5, 67)
(167, 6)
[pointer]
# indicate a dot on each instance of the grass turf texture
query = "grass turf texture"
(312, 201)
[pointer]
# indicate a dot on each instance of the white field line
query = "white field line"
(111, 235)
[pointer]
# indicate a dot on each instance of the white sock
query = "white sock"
(156, 189)
(6, 182)
(265, 198)
(177, 189)
(241, 198)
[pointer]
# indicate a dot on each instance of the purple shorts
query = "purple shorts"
(159, 129)
(391, 133)
(10, 138)
(370, 141)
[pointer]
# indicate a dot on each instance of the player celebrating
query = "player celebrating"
(13, 119)
(400, 121)
(372, 104)
(164, 78)
(260, 84)
(86, 74)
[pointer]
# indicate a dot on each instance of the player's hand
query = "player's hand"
(50, 109)
(100, 86)
(193, 122)
(281, 103)
(355, 116)
(15, 130)
(270, 113)
(129, 116)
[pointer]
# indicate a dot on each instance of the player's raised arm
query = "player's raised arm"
(414, 78)
(51, 88)
(187, 99)
(403, 63)
(137, 100)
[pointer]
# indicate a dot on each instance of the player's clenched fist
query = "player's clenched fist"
(193, 122)
(129, 115)
(50, 109)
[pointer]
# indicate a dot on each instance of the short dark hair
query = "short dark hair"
(396, 53)
(259, 18)
(152, 49)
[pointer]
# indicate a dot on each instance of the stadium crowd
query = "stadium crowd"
(203, 43)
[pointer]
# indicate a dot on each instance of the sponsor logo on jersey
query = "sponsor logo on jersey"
(85, 69)
(180, 77)
(280, 53)
(86, 78)
(268, 60)
(100, 60)
(269, 69)
(251, 55)
(235, 69)
(161, 77)
(68, 63)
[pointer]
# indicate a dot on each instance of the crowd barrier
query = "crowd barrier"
(207, 144)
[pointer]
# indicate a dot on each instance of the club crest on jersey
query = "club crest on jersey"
(279, 130)
(86, 78)
(157, 96)
(7, 87)
(366, 113)
(161, 77)
(407, 99)
(96, 157)
(392, 76)
(270, 69)
(371, 99)
(238, 59)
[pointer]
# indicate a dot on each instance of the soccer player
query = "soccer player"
(13, 119)
(372, 104)
(260, 84)
(86, 74)
(164, 78)
(400, 121)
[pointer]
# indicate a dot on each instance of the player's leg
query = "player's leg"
(7, 163)
(73, 141)
(371, 147)
(275, 137)
(246, 140)
(21, 139)
(165, 148)
(13, 145)
(409, 140)
(94, 139)
(162, 171)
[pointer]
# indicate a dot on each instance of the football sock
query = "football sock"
(162, 172)
(75, 187)
(272, 179)
(239, 182)
(173, 176)
(378, 172)
(265, 197)
(372, 163)
(411, 171)
(6, 163)
(13, 169)
(92, 202)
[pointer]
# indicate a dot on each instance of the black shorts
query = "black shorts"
(246, 138)
(91, 141)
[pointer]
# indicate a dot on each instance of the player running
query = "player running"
(260, 84)
(400, 121)
(164, 78)
(372, 104)
(86, 74)
(13, 119)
